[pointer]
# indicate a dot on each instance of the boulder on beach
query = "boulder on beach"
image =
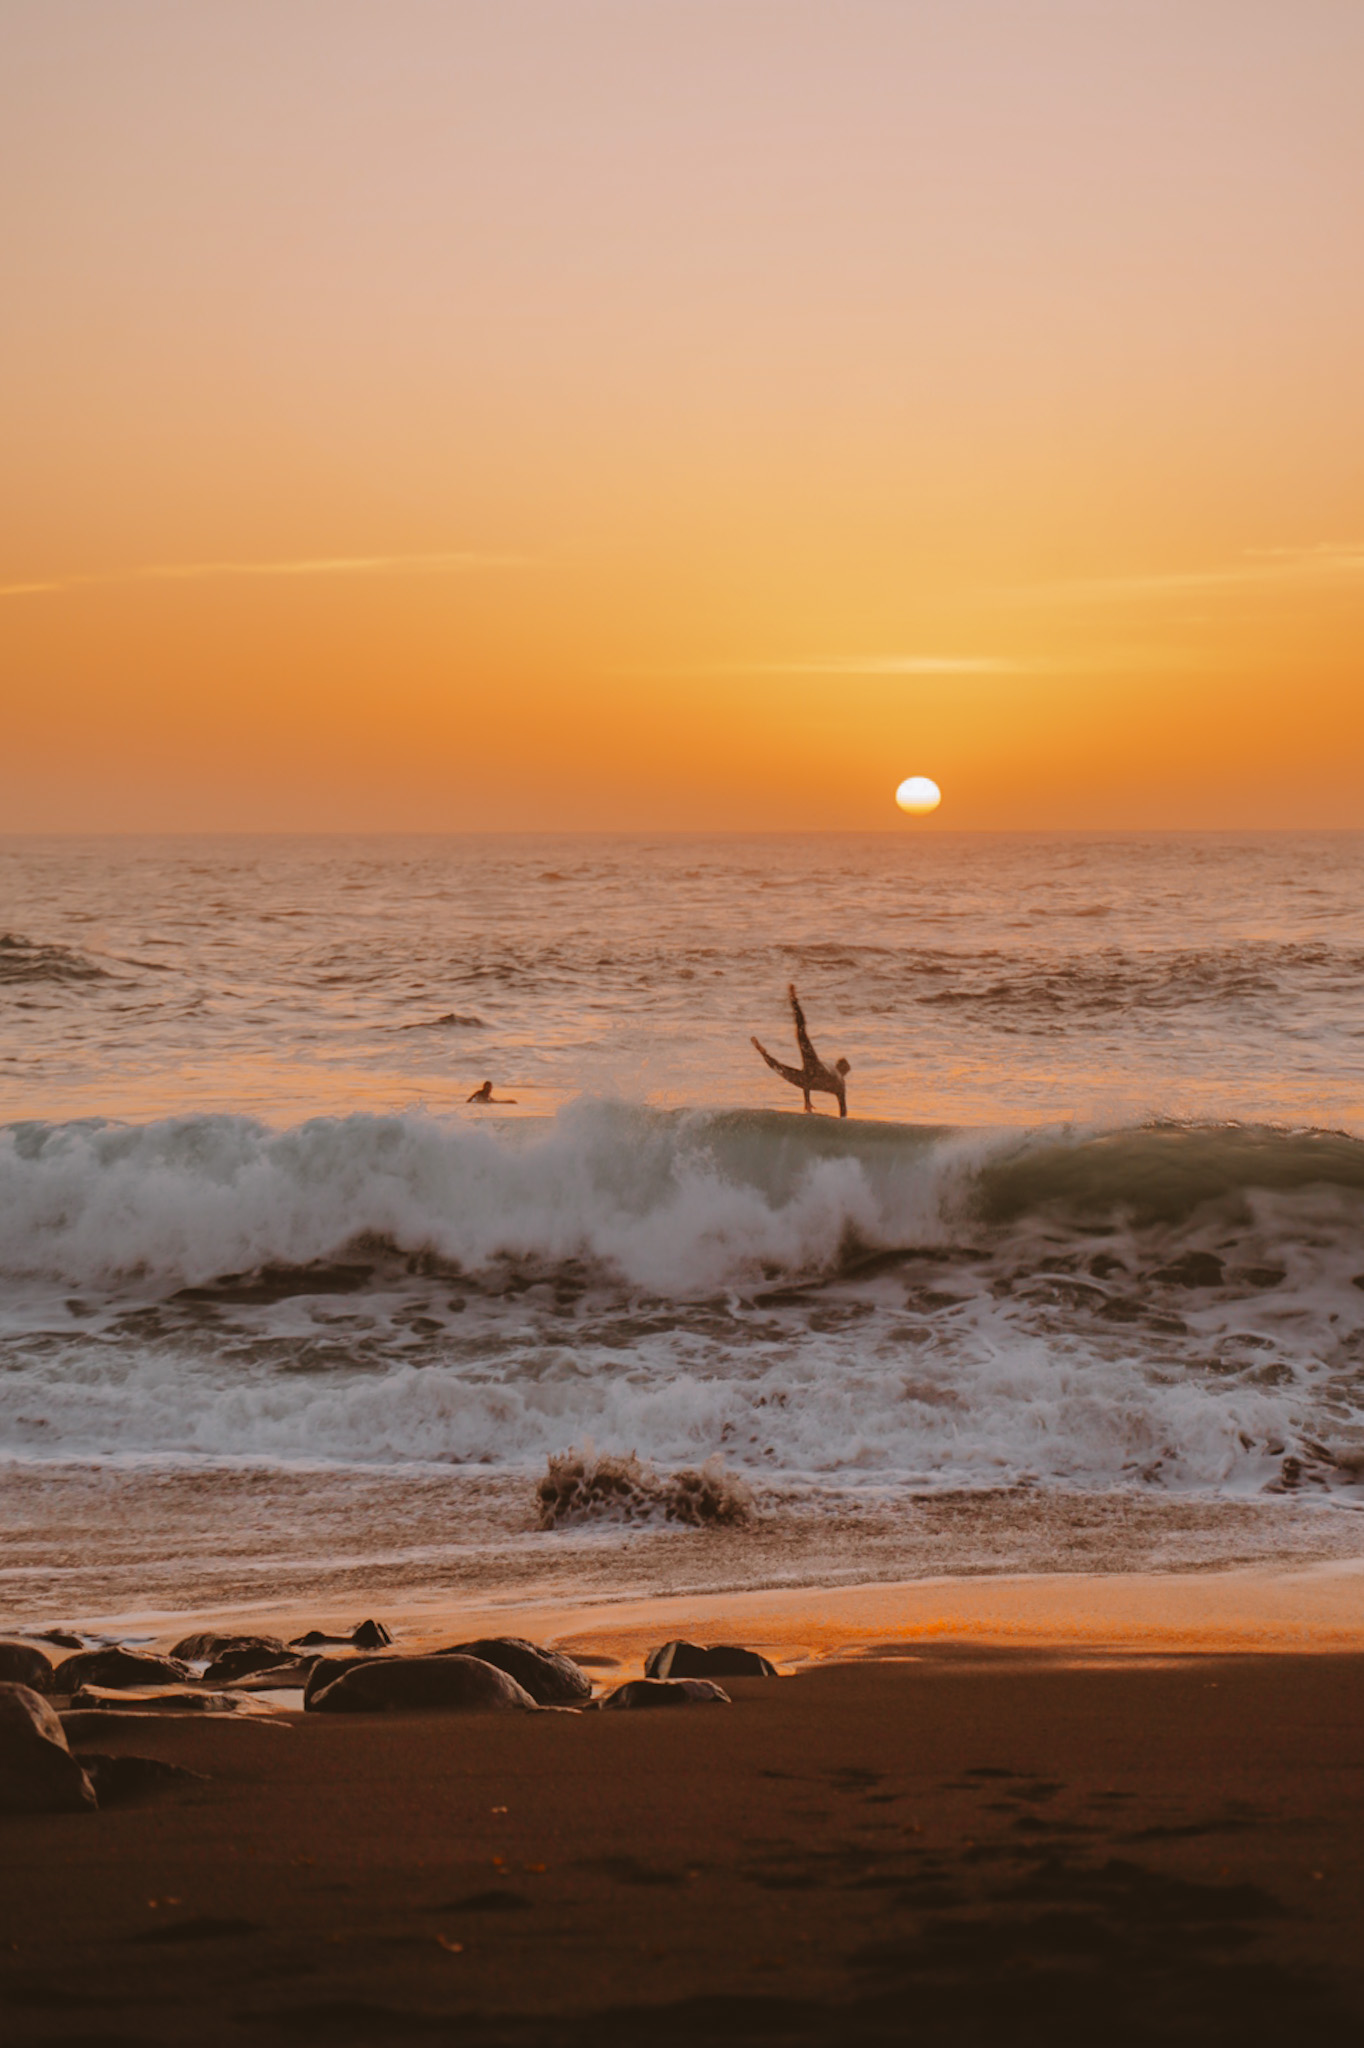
(159, 1699)
(24, 1664)
(444, 1684)
(239, 1660)
(120, 1779)
(551, 1679)
(198, 1648)
(117, 1667)
(371, 1635)
(210, 1644)
(368, 1635)
(38, 1773)
(721, 1660)
(292, 1673)
(667, 1692)
(324, 1670)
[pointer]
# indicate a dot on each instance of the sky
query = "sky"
(445, 415)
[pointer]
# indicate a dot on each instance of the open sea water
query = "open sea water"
(1079, 1282)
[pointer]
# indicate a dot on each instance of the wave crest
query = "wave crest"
(673, 1203)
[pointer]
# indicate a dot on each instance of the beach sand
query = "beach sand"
(927, 1833)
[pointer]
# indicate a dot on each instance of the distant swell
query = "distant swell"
(23, 960)
(1163, 1173)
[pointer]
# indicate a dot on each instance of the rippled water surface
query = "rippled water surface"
(966, 978)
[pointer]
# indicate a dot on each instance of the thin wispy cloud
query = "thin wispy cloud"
(1110, 661)
(892, 665)
(1259, 568)
(857, 665)
(448, 563)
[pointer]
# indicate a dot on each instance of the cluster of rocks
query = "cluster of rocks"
(356, 1674)
(39, 1773)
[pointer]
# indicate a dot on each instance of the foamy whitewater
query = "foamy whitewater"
(1093, 1231)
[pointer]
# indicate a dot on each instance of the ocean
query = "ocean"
(1078, 1284)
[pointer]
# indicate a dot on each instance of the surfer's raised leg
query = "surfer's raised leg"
(809, 1057)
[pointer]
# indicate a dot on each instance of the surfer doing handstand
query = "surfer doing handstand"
(811, 1076)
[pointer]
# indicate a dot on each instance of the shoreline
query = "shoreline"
(1317, 1610)
(151, 1550)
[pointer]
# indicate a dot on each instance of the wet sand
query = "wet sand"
(134, 1545)
(923, 1841)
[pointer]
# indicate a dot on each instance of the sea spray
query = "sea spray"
(590, 1486)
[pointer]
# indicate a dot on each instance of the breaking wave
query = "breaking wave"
(674, 1203)
(1166, 1306)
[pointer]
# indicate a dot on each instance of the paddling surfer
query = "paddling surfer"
(485, 1094)
(811, 1076)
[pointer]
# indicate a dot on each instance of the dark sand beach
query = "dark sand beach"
(921, 1840)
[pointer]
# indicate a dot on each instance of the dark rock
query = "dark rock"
(449, 1684)
(198, 1648)
(119, 1779)
(292, 1673)
(210, 1644)
(551, 1680)
(371, 1635)
(38, 1773)
(722, 1660)
(23, 1664)
(667, 1692)
(61, 1638)
(117, 1667)
(1195, 1269)
(241, 1659)
(163, 1699)
(324, 1671)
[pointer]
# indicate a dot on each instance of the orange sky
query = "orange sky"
(442, 414)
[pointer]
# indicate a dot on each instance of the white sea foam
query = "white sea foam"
(869, 1304)
(673, 1203)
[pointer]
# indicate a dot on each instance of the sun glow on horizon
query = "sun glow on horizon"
(502, 445)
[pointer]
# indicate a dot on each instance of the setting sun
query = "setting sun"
(918, 795)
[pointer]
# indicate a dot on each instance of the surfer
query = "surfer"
(811, 1076)
(485, 1094)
